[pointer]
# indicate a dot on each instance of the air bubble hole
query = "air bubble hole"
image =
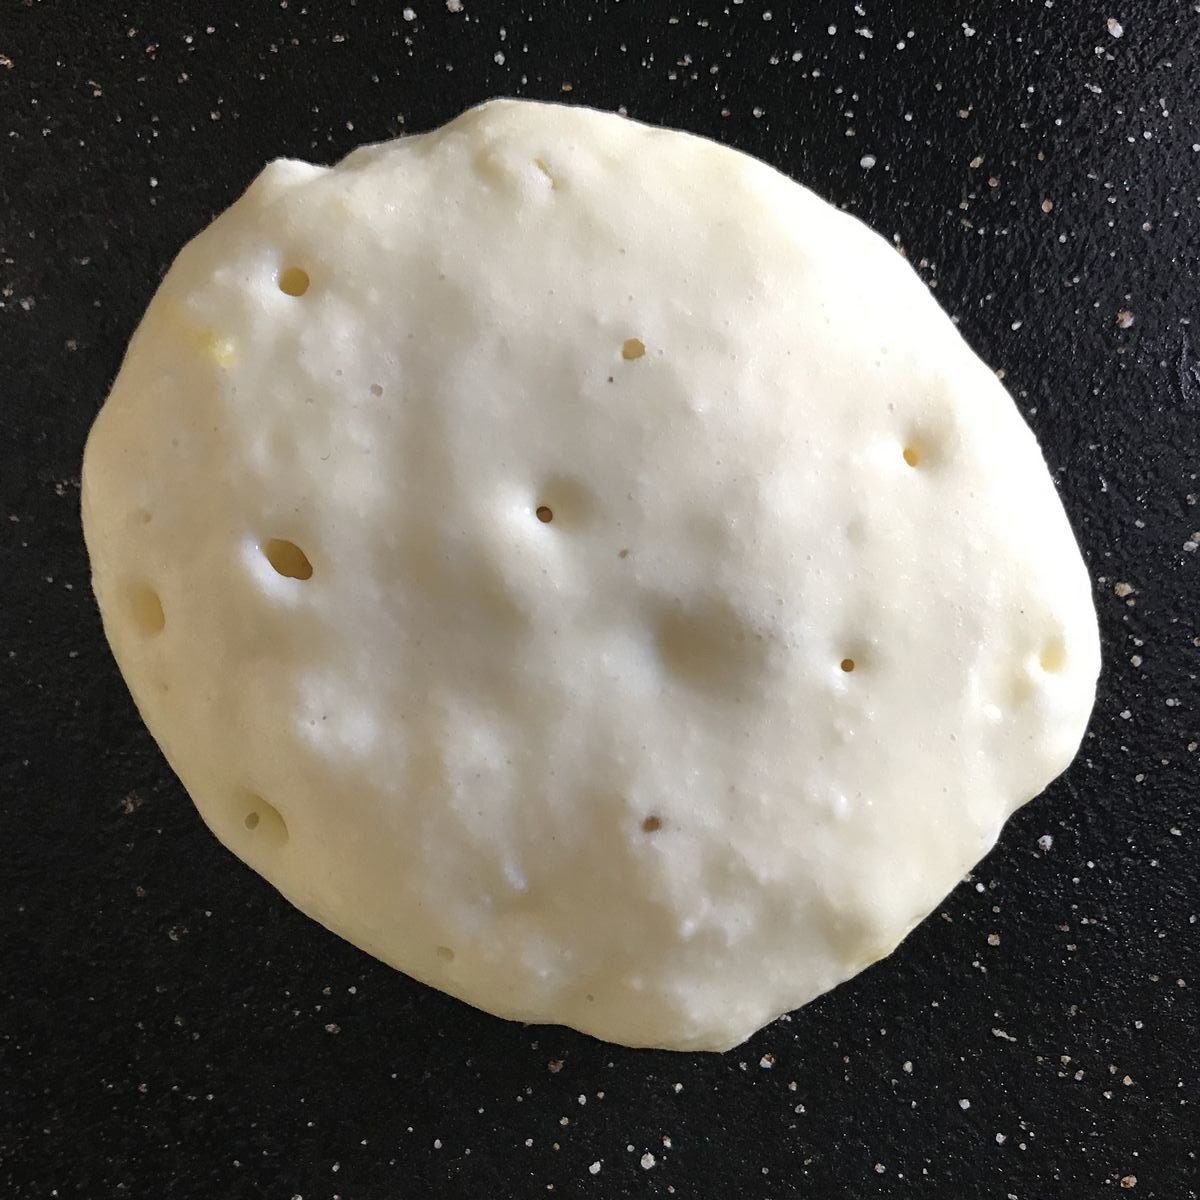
(263, 820)
(146, 609)
(287, 559)
(294, 281)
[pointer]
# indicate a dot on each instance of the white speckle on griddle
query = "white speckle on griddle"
(1045, 843)
(964, 1104)
(648, 1160)
(1115, 28)
(867, 161)
(594, 1169)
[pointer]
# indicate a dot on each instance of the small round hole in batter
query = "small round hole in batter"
(287, 558)
(294, 281)
(146, 609)
(261, 818)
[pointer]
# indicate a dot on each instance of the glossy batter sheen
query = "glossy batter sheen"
(584, 569)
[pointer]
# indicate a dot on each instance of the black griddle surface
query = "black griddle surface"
(169, 1027)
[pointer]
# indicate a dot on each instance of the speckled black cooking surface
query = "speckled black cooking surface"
(169, 1027)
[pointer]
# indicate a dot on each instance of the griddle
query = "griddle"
(171, 1028)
